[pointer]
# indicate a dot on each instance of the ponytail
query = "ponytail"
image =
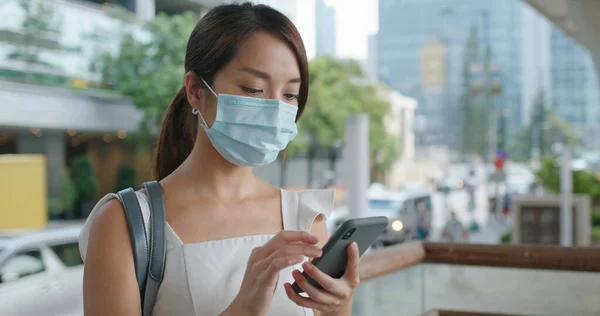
(177, 136)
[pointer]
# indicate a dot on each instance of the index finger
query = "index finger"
(289, 236)
(285, 237)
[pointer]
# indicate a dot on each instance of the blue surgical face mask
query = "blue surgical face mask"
(250, 131)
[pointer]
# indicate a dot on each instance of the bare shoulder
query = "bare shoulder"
(109, 226)
(110, 213)
(110, 286)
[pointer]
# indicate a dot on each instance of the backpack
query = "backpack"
(149, 247)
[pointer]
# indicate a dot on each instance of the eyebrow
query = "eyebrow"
(264, 75)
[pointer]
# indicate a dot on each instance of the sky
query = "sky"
(355, 21)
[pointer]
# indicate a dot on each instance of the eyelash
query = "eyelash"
(251, 91)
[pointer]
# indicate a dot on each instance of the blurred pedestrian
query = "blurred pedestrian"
(423, 225)
(454, 231)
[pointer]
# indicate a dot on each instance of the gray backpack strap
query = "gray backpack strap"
(137, 231)
(158, 245)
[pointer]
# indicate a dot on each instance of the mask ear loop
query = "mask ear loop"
(197, 112)
(209, 88)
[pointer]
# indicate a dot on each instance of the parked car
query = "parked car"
(41, 273)
(399, 206)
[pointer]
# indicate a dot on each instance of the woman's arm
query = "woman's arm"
(109, 282)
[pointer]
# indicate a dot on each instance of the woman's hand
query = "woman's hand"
(262, 272)
(336, 296)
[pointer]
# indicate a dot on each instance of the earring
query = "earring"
(195, 111)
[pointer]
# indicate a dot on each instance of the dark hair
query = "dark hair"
(212, 45)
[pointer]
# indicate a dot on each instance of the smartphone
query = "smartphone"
(363, 231)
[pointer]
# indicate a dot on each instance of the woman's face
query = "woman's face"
(264, 67)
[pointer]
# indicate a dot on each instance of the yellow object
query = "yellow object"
(23, 199)
(80, 83)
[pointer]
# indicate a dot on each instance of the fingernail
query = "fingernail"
(355, 245)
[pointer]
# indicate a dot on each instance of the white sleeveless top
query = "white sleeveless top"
(204, 278)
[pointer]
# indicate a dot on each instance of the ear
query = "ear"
(194, 88)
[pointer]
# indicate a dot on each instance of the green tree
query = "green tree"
(84, 180)
(126, 177)
(337, 90)
(471, 128)
(545, 128)
(150, 71)
(584, 182)
(39, 30)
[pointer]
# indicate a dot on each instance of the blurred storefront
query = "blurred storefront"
(51, 101)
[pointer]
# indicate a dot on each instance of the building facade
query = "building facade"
(325, 29)
(407, 26)
(50, 102)
(535, 53)
(575, 89)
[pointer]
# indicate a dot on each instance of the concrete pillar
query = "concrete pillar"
(358, 167)
(51, 144)
(566, 198)
(144, 9)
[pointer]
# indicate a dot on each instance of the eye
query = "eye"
(251, 91)
(291, 96)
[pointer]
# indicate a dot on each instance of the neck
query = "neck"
(205, 170)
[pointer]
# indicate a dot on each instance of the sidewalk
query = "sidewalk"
(490, 233)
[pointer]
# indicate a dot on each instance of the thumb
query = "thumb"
(352, 267)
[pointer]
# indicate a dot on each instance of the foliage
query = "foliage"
(68, 195)
(596, 217)
(584, 182)
(126, 177)
(39, 28)
(82, 175)
(54, 206)
(383, 158)
(545, 128)
(337, 91)
(596, 234)
(471, 125)
(506, 238)
(150, 72)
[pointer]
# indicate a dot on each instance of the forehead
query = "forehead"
(268, 53)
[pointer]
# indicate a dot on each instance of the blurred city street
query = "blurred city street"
(458, 201)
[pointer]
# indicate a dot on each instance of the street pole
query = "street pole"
(486, 94)
(358, 168)
(566, 201)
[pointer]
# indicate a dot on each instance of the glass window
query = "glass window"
(20, 265)
(68, 254)
(383, 204)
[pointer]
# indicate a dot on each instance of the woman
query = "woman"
(234, 242)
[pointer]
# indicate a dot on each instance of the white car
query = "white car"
(399, 206)
(41, 273)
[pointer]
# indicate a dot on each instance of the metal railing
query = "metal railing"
(422, 277)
